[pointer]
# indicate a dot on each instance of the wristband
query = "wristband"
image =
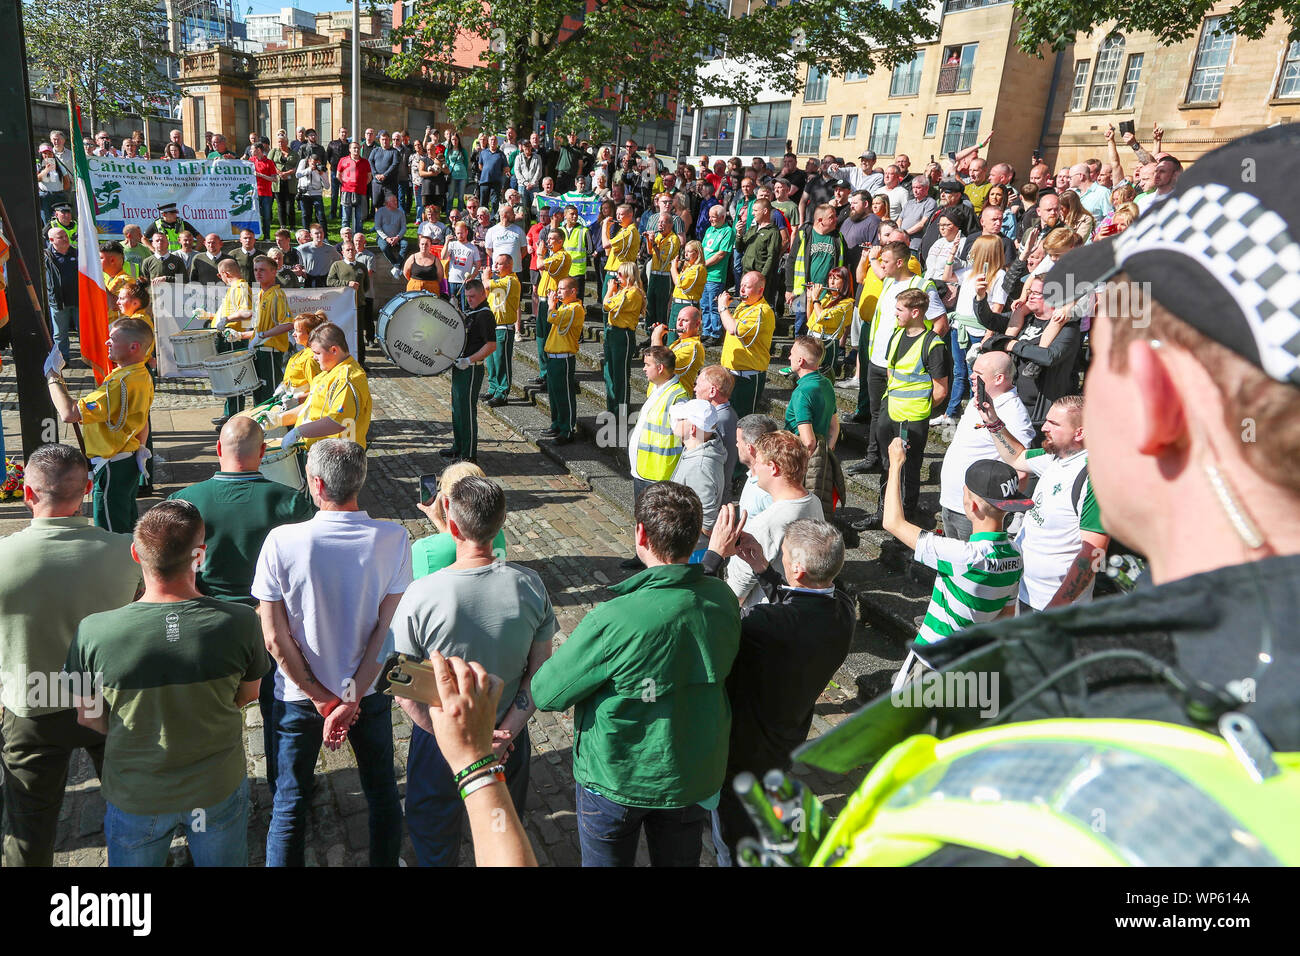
(476, 765)
(478, 783)
(995, 427)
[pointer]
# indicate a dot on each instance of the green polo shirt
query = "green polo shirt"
(170, 673)
(645, 674)
(56, 571)
(436, 551)
(718, 239)
(812, 401)
(239, 509)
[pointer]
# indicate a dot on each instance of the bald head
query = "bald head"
(995, 371)
(689, 320)
(241, 444)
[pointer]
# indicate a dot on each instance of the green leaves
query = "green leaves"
(111, 49)
(1048, 25)
(640, 57)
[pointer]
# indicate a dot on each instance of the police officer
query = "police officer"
(169, 222)
(63, 219)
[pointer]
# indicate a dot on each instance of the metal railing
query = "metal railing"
(955, 78)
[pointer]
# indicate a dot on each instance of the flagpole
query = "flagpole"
(17, 255)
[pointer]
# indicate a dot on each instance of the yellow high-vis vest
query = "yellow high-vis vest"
(657, 448)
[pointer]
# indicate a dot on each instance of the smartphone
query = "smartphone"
(1126, 126)
(981, 394)
(902, 433)
(428, 488)
(411, 678)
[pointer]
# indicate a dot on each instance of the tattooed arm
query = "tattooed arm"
(1083, 570)
(515, 721)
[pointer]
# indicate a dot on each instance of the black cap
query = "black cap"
(841, 184)
(1221, 252)
(783, 181)
(62, 207)
(166, 207)
(997, 483)
(951, 186)
(952, 215)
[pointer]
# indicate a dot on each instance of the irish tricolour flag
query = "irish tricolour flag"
(92, 298)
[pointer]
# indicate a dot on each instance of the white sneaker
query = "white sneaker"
(943, 420)
(396, 272)
(848, 383)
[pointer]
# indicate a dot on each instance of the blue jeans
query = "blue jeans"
(218, 835)
(354, 211)
(404, 196)
(265, 205)
(63, 322)
(396, 256)
(711, 323)
(456, 193)
(435, 813)
(960, 374)
(334, 193)
(299, 741)
(800, 309)
(608, 832)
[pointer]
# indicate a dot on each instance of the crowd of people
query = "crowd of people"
(926, 290)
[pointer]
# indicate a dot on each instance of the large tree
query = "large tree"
(636, 56)
(109, 50)
(1055, 24)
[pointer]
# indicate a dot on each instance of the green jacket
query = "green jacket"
(760, 251)
(646, 673)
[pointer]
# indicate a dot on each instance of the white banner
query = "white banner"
(172, 312)
(213, 195)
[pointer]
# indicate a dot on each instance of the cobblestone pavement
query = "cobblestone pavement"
(573, 538)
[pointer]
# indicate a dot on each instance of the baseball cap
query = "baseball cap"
(46, 148)
(951, 186)
(696, 411)
(997, 483)
(867, 154)
(842, 184)
(1221, 252)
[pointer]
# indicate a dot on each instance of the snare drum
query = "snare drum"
(284, 466)
(232, 374)
(192, 349)
(421, 333)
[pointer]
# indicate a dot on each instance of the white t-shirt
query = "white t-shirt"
(888, 320)
(897, 196)
(462, 260)
(509, 239)
(971, 444)
(769, 530)
(966, 291)
(1051, 534)
(332, 572)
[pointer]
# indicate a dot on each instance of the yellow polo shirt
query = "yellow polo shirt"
(301, 370)
(623, 247)
(750, 349)
(566, 328)
(690, 361)
(834, 318)
(551, 270)
(503, 298)
(663, 250)
(238, 298)
(690, 283)
(343, 395)
(114, 285)
(113, 414)
(273, 310)
(624, 308)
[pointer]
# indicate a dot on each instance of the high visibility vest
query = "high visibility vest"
(909, 384)
(575, 244)
(657, 448)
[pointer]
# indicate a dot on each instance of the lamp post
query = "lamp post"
(356, 67)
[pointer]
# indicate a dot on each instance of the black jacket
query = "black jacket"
(1042, 374)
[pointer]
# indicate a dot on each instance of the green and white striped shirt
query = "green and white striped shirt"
(976, 579)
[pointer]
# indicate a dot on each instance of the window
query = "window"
(1080, 83)
(810, 135)
(1132, 74)
(200, 121)
(961, 131)
(957, 69)
(907, 76)
(765, 129)
(417, 120)
(853, 76)
(241, 125)
(289, 117)
(1211, 60)
(1106, 78)
(835, 127)
(324, 128)
(717, 130)
(884, 133)
(1289, 85)
(931, 125)
(263, 118)
(851, 126)
(815, 90)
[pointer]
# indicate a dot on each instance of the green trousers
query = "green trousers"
(36, 755)
(113, 496)
(658, 295)
(619, 344)
(828, 358)
(465, 385)
(562, 392)
(270, 369)
(498, 363)
(746, 392)
(543, 332)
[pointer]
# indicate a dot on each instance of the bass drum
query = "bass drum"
(421, 333)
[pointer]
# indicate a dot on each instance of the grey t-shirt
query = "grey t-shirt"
(727, 435)
(492, 615)
(701, 470)
(769, 529)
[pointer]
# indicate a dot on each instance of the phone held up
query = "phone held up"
(1126, 126)
(428, 488)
